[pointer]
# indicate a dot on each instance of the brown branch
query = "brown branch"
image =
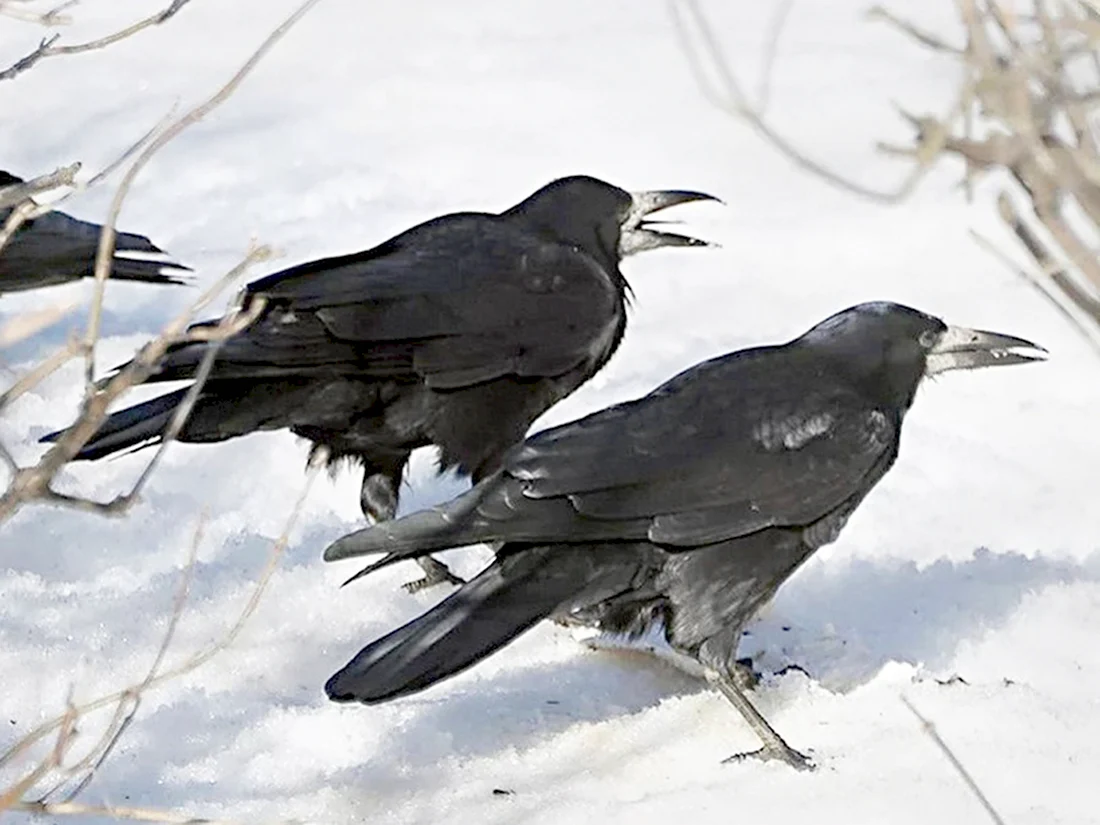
(47, 48)
(64, 725)
(40, 372)
(33, 483)
(52, 17)
(30, 484)
(18, 192)
(732, 99)
(107, 236)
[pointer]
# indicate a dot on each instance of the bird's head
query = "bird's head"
(890, 348)
(605, 221)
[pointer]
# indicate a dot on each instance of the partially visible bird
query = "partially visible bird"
(456, 333)
(681, 512)
(56, 248)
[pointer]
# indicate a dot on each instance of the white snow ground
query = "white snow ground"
(977, 556)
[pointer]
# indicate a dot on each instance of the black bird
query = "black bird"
(457, 333)
(681, 512)
(56, 248)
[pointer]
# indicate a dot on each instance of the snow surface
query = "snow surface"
(977, 556)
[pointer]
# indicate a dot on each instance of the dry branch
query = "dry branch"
(48, 48)
(50, 17)
(930, 730)
(1031, 83)
(125, 702)
(58, 772)
(33, 483)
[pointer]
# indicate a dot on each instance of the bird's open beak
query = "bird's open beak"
(960, 348)
(638, 234)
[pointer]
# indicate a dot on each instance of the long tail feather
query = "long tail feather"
(130, 427)
(503, 601)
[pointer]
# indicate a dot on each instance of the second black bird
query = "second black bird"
(457, 333)
(681, 512)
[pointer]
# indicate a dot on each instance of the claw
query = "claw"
(798, 761)
(437, 573)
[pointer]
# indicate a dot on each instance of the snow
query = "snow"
(977, 556)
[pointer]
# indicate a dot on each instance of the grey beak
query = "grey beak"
(638, 234)
(959, 348)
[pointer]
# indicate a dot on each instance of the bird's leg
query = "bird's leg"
(733, 686)
(378, 500)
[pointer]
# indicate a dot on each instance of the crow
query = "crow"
(456, 333)
(679, 513)
(56, 248)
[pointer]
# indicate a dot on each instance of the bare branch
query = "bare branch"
(731, 98)
(779, 22)
(47, 47)
(960, 769)
(1089, 333)
(18, 192)
(31, 484)
(107, 236)
(918, 34)
(64, 725)
(51, 17)
(30, 323)
(40, 372)
(1027, 105)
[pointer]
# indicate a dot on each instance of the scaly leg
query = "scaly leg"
(378, 500)
(732, 686)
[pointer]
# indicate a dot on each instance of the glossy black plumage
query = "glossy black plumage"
(685, 509)
(457, 333)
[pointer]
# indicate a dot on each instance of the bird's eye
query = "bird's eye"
(928, 339)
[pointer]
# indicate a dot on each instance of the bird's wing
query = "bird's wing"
(734, 446)
(458, 301)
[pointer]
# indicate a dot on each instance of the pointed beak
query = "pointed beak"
(639, 234)
(960, 348)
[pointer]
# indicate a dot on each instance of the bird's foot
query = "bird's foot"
(436, 572)
(782, 752)
(744, 674)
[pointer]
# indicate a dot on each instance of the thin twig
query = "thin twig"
(61, 723)
(29, 323)
(767, 70)
(52, 17)
(1087, 332)
(178, 603)
(18, 192)
(40, 372)
(47, 48)
(933, 42)
(107, 235)
(33, 483)
(732, 99)
(934, 735)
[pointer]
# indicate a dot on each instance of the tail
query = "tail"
(453, 524)
(482, 616)
(57, 247)
(134, 426)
